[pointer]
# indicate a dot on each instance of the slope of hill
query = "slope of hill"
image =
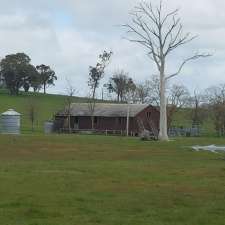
(46, 106)
(182, 118)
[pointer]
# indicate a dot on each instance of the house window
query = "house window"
(148, 114)
(120, 120)
(95, 120)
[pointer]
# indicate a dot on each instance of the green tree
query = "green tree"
(15, 70)
(35, 82)
(122, 85)
(31, 76)
(47, 76)
(118, 84)
(96, 73)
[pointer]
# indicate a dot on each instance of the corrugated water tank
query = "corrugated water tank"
(10, 122)
(48, 127)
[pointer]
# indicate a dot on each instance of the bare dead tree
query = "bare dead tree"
(32, 111)
(160, 33)
(154, 90)
(150, 91)
(70, 91)
(178, 98)
(198, 112)
(216, 100)
(142, 92)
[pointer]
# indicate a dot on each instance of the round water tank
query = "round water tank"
(48, 127)
(10, 122)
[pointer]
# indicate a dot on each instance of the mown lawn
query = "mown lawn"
(90, 180)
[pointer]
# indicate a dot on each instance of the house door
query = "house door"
(76, 123)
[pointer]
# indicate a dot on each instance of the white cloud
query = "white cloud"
(68, 35)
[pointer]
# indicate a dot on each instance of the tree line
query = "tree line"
(17, 72)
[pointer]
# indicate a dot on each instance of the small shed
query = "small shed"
(110, 118)
(10, 122)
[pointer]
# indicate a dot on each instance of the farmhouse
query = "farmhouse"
(111, 118)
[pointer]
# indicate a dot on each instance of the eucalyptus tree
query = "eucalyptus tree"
(16, 72)
(47, 76)
(161, 33)
(121, 84)
(96, 73)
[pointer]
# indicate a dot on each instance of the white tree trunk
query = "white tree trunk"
(163, 136)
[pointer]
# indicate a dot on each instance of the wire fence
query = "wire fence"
(185, 132)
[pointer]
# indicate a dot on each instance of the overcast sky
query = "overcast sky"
(69, 35)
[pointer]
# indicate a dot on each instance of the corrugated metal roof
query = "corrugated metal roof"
(106, 109)
(11, 112)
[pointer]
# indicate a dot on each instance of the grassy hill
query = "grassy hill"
(182, 118)
(46, 106)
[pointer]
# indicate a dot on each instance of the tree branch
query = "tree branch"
(196, 56)
(173, 13)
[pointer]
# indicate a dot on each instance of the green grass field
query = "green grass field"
(97, 180)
